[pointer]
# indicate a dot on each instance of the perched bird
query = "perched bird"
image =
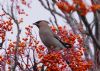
(48, 37)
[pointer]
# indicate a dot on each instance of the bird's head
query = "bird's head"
(41, 23)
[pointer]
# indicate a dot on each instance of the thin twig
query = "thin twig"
(51, 9)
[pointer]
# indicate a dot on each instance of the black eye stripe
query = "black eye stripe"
(38, 22)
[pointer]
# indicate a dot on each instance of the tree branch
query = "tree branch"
(51, 9)
(18, 33)
(90, 31)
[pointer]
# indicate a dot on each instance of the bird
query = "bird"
(49, 38)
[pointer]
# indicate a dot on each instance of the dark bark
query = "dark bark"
(97, 34)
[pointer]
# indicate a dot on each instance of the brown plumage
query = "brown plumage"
(50, 39)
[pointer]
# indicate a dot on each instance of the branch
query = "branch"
(51, 10)
(90, 31)
(35, 64)
(6, 12)
(18, 33)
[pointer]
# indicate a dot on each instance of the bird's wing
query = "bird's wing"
(64, 44)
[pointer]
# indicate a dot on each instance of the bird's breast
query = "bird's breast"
(46, 37)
